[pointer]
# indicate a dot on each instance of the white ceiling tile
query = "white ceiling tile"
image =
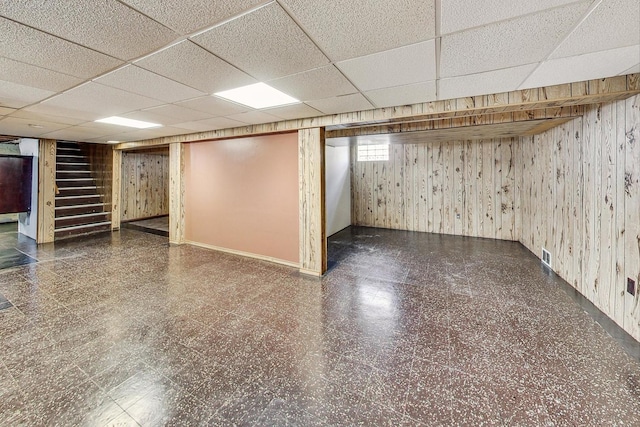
(85, 132)
(403, 95)
(295, 111)
(349, 29)
(266, 44)
(35, 117)
(21, 127)
(583, 67)
(213, 106)
(5, 111)
(314, 84)
(254, 117)
(142, 134)
(15, 95)
(633, 70)
(396, 67)
(137, 80)
(508, 43)
(107, 26)
(497, 81)
(210, 124)
(52, 52)
(168, 115)
(613, 24)
(30, 75)
(100, 100)
(45, 108)
(458, 15)
(195, 67)
(187, 16)
(342, 104)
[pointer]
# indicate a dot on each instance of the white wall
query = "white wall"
(338, 189)
(28, 222)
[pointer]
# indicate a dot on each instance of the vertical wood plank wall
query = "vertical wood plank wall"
(145, 185)
(46, 191)
(116, 189)
(313, 239)
(459, 187)
(101, 159)
(580, 199)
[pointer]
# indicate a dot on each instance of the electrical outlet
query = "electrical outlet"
(546, 257)
(457, 216)
(631, 286)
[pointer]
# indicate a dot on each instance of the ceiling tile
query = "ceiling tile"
(266, 44)
(633, 70)
(20, 127)
(403, 95)
(254, 117)
(107, 26)
(36, 117)
(168, 115)
(508, 43)
(137, 80)
(349, 29)
(86, 132)
(195, 67)
(15, 95)
(342, 104)
(100, 100)
(187, 16)
(30, 75)
(583, 67)
(295, 111)
(4, 111)
(459, 15)
(497, 81)
(210, 124)
(396, 67)
(315, 84)
(613, 24)
(52, 52)
(213, 106)
(142, 134)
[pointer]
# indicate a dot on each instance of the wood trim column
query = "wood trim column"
(116, 190)
(46, 191)
(176, 193)
(313, 238)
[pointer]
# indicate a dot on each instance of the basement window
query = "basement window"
(373, 153)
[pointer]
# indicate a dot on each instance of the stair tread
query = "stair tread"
(88, 205)
(79, 227)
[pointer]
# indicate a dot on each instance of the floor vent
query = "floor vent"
(546, 257)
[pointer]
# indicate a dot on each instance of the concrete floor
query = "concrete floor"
(405, 329)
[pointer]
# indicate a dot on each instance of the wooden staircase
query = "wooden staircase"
(80, 202)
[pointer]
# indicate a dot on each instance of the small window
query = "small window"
(373, 153)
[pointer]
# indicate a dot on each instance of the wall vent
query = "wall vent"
(546, 257)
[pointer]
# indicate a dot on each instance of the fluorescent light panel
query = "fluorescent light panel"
(121, 121)
(258, 95)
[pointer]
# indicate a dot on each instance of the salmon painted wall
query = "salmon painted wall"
(242, 195)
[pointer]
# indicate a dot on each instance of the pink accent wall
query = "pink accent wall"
(242, 194)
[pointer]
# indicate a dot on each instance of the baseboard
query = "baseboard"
(244, 254)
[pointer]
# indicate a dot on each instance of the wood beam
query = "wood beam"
(46, 191)
(313, 236)
(116, 190)
(566, 95)
(176, 194)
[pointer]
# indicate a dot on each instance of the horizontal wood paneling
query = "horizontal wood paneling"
(145, 185)
(580, 199)
(453, 187)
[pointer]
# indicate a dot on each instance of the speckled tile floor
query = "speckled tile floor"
(405, 329)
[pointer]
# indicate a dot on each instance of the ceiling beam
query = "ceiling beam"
(522, 101)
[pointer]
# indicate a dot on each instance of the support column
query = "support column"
(46, 191)
(176, 193)
(313, 238)
(116, 184)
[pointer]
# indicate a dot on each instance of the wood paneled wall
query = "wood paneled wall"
(461, 187)
(46, 191)
(101, 159)
(580, 199)
(145, 185)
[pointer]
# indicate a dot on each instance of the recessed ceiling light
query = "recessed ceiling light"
(36, 126)
(121, 121)
(258, 95)
(113, 142)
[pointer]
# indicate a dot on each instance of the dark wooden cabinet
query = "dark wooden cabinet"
(15, 183)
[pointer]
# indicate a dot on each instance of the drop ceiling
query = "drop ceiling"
(65, 64)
